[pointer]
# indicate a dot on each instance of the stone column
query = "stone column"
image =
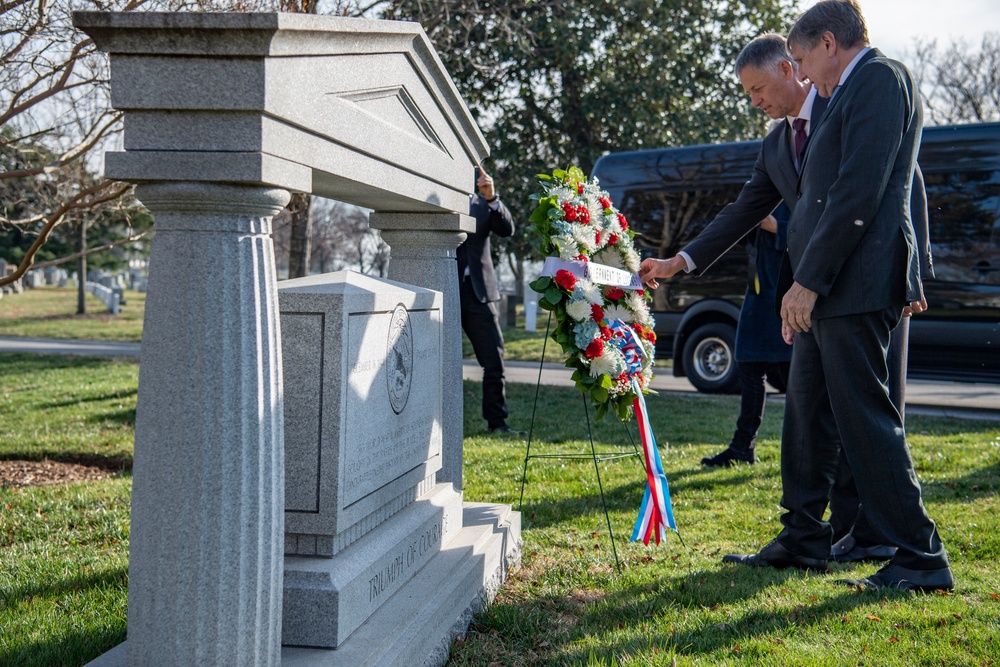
(423, 254)
(205, 573)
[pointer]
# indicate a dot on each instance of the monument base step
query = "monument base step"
(418, 623)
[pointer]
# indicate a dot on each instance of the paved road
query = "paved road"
(959, 399)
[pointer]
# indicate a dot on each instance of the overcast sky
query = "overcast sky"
(894, 24)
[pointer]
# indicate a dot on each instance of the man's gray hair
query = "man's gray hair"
(843, 18)
(763, 53)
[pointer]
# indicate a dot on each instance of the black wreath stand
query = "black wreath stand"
(591, 455)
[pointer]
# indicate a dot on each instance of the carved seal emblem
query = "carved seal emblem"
(399, 358)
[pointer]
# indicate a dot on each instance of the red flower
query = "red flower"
(565, 280)
(597, 237)
(597, 313)
(606, 333)
(614, 293)
(579, 188)
(582, 258)
(622, 221)
(595, 349)
(605, 202)
(613, 239)
(641, 292)
(583, 214)
(650, 335)
(569, 212)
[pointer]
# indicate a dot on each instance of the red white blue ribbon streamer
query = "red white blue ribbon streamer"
(655, 513)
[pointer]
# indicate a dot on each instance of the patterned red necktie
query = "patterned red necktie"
(799, 125)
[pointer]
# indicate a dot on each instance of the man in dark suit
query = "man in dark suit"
(769, 77)
(479, 296)
(853, 256)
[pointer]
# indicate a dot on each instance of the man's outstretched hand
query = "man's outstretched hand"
(651, 269)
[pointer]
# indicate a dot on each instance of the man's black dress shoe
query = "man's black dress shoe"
(847, 550)
(776, 556)
(727, 458)
(904, 579)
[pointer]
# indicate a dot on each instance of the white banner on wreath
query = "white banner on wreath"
(601, 274)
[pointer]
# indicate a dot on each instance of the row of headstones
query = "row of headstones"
(109, 296)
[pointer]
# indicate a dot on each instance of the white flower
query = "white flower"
(647, 375)
(609, 363)
(608, 256)
(611, 224)
(563, 193)
(589, 291)
(631, 260)
(648, 350)
(585, 237)
(617, 312)
(596, 210)
(568, 249)
(637, 304)
(579, 309)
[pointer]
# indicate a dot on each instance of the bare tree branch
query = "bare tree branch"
(90, 251)
(85, 199)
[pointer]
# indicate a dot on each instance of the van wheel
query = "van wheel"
(709, 359)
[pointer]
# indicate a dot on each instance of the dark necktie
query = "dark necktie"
(799, 125)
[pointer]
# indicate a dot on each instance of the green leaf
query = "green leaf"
(545, 305)
(600, 394)
(553, 294)
(606, 381)
(541, 284)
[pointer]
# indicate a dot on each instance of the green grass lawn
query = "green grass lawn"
(64, 549)
(50, 312)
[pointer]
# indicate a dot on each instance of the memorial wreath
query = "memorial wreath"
(590, 285)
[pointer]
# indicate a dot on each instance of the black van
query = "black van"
(670, 195)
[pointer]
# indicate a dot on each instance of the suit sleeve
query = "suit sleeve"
(756, 200)
(501, 221)
(921, 224)
(876, 115)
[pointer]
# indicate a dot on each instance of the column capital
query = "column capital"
(432, 222)
(216, 207)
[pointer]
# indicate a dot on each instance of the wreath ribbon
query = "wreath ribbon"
(655, 513)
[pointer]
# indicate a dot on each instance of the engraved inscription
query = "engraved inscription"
(397, 564)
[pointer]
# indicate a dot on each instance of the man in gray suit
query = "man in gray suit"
(853, 257)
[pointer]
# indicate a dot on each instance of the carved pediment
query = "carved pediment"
(395, 107)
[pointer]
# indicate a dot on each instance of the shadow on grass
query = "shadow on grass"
(123, 417)
(728, 586)
(72, 584)
(565, 619)
(542, 510)
(112, 396)
(981, 483)
(86, 645)
(18, 364)
(119, 463)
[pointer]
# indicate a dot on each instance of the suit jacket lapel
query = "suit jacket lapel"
(837, 96)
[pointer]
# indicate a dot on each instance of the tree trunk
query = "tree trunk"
(81, 269)
(300, 243)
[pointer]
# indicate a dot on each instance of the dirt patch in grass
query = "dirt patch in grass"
(40, 473)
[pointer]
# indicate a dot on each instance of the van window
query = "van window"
(964, 212)
(669, 219)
